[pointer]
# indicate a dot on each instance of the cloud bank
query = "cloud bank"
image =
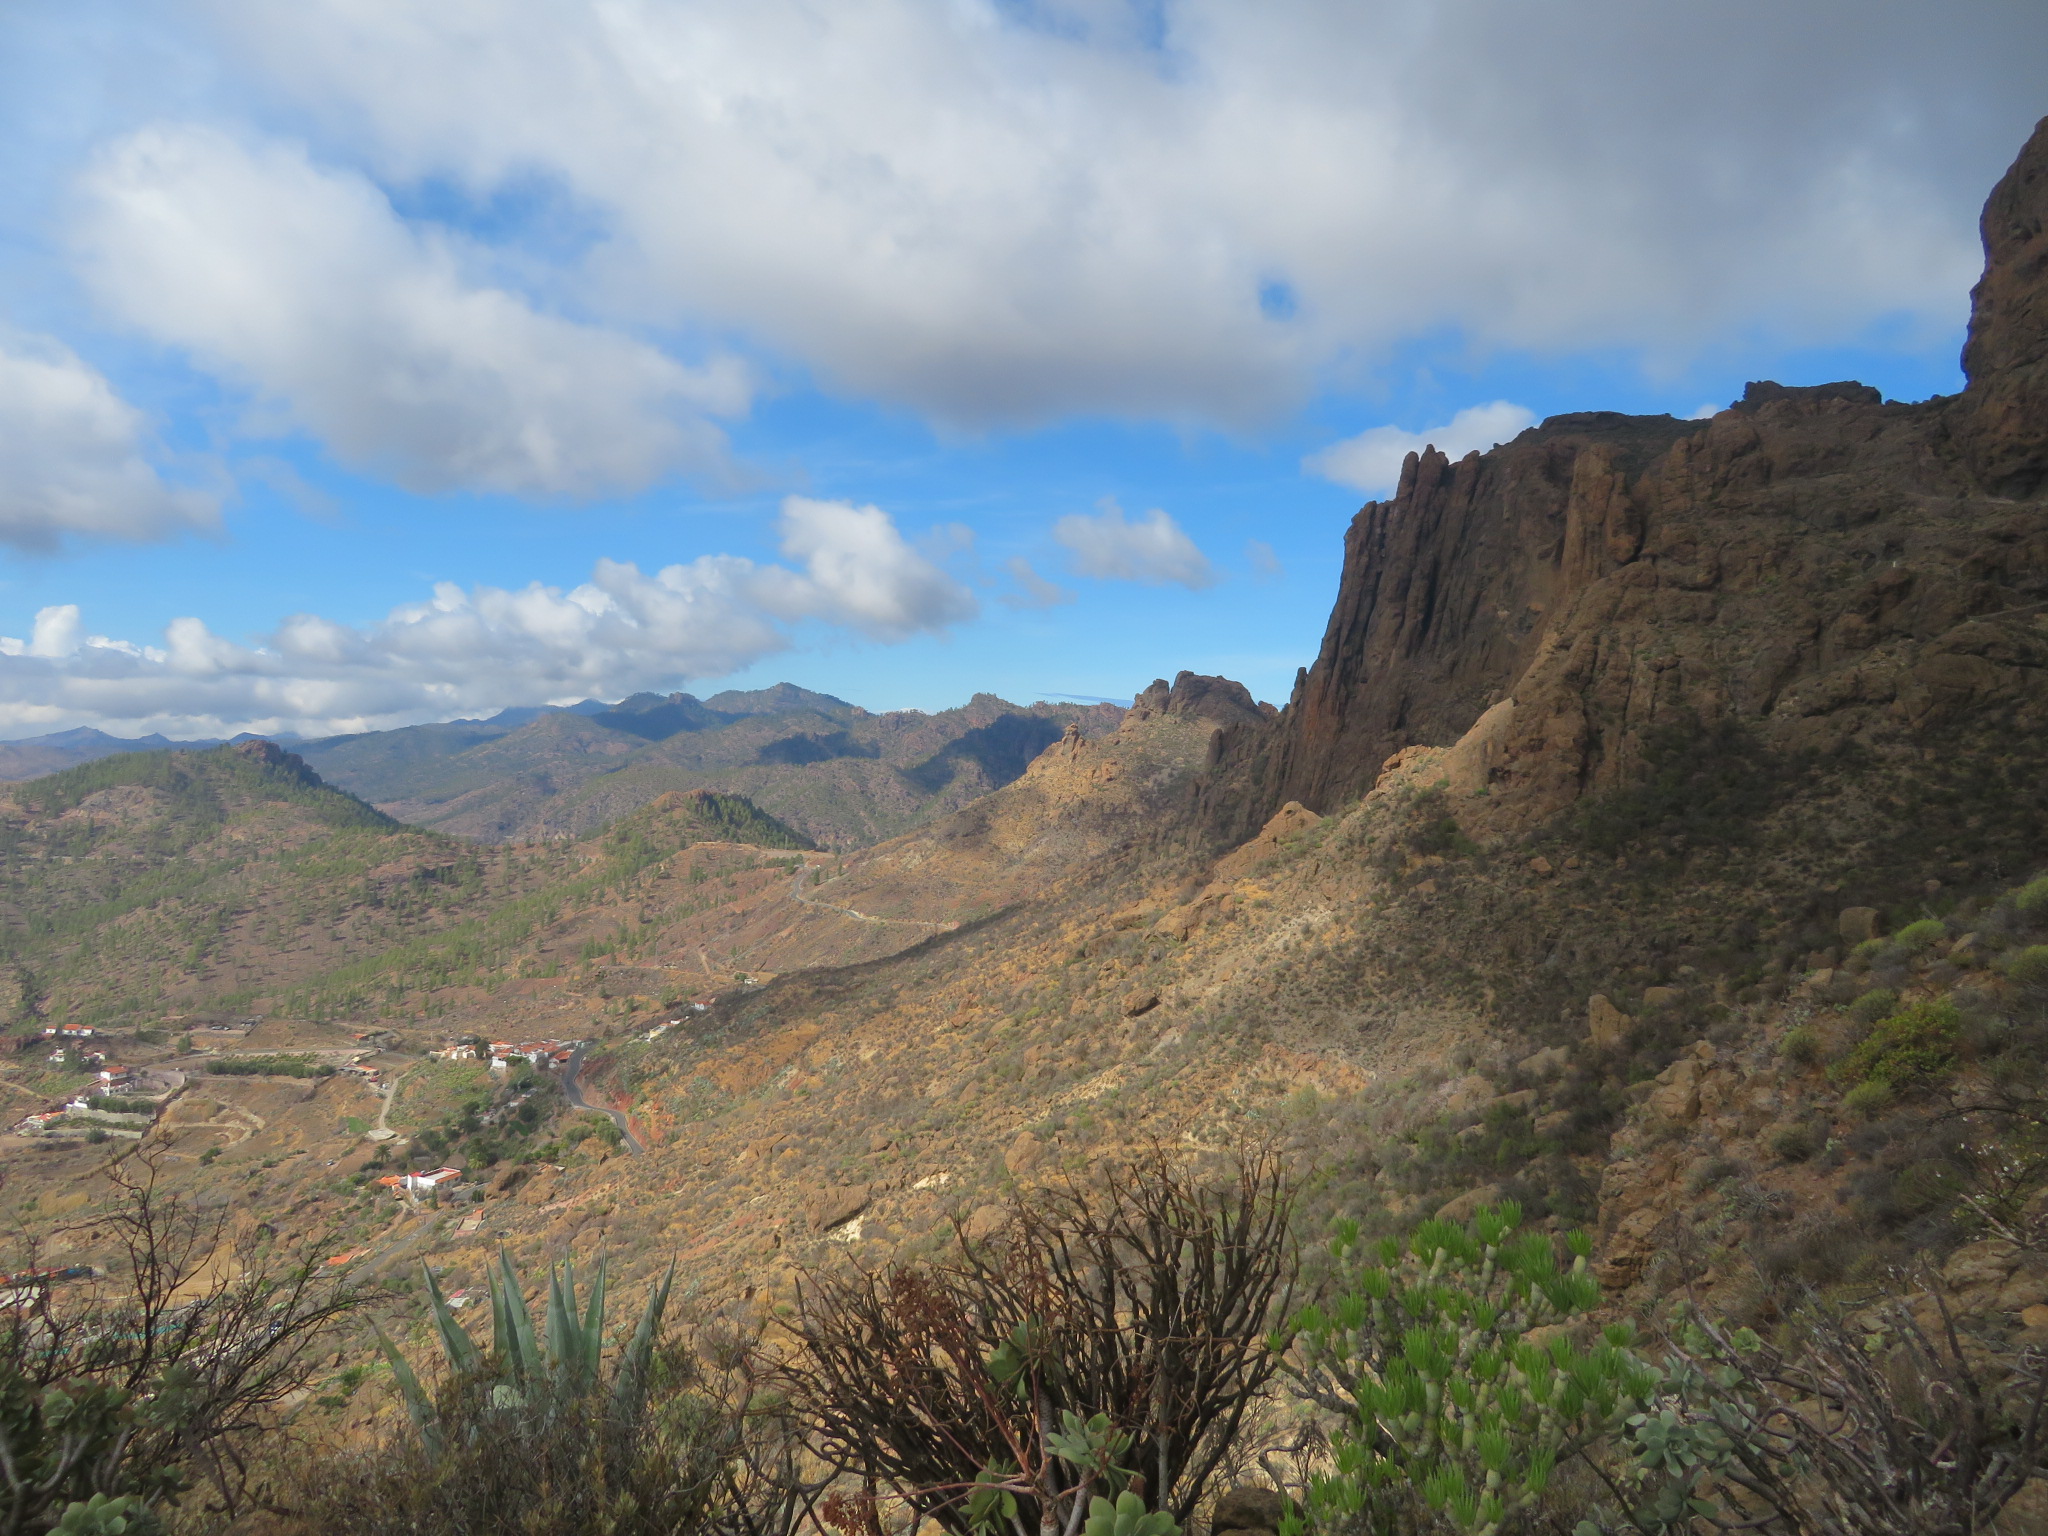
(484, 647)
(1371, 461)
(1196, 210)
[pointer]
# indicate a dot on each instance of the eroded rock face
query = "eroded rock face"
(1812, 564)
(2005, 432)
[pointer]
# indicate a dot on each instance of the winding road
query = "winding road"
(576, 1101)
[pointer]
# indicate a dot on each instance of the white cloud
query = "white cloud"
(997, 213)
(859, 572)
(1153, 550)
(301, 284)
(1033, 590)
(1371, 461)
(1264, 562)
(468, 650)
(73, 460)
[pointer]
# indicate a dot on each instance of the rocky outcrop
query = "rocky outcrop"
(1218, 700)
(1813, 564)
(2005, 431)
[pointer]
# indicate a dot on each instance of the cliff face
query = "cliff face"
(1813, 564)
(2005, 427)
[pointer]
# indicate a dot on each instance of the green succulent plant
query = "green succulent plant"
(1127, 1517)
(557, 1364)
(120, 1515)
(1458, 1388)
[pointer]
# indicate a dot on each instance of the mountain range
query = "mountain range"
(834, 771)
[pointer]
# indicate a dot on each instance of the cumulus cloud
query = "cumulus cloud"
(1153, 549)
(466, 650)
(73, 457)
(859, 572)
(300, 283)
(1201, 209)
(1371, 461)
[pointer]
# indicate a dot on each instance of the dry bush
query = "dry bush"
(156, 1384)
(1143, 1297)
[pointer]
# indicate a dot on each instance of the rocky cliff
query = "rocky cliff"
(1815, 566)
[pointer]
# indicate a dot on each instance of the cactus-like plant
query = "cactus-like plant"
(556, 1365)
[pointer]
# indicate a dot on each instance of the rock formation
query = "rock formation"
(1813, 564)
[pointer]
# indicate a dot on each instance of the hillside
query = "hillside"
(830, 769)
(152, 887)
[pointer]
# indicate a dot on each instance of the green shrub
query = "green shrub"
(1874, 1005)
(1917, 938)
(1867, 1099)
(1801, 1046)
(1869, 950)
(1914, 1046)
(1449, 1404)
(2029, 968)
(1796, 1143)
(269, 1066)
(2032, 898)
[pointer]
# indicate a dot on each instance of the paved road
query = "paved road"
(576, 1101)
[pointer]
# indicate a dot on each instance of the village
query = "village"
(124, 1101)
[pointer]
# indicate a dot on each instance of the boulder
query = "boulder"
(1677, 1094)
(1606, 1025)
(1857, 925)
(1247, 1508)
(836, 1207)
(1981, 1266)
(1661, 997)
(1025, 1154)
(1136, 1003)
(1545, 1063)
(1464, 1205)
(984, 1223)
(2025, 1290)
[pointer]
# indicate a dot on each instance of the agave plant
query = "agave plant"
(556, 1367)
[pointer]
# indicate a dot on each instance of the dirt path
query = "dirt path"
(796, 893)
(234, 1118)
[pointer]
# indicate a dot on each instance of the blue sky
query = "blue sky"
(363, 362)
